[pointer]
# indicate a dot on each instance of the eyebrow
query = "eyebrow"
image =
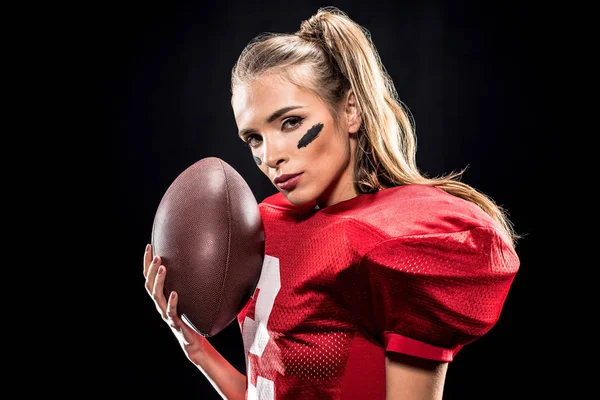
(271, 118)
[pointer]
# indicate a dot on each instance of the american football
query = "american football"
(209, 233)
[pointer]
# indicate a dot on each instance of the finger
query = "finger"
(158, 293)
(172, 317)
(147, 258)
(151, 274)
(184, 332)
(172, 308)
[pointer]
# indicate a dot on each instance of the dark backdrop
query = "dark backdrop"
(469, 74)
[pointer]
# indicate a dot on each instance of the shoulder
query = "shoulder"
(420, 210)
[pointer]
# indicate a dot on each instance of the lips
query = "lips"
(284, 178)
(288, 182)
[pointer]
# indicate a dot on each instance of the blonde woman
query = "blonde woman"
(375, 275)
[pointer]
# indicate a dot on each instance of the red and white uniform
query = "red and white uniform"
(409, 269)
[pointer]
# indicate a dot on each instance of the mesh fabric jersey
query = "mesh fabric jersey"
(410, 269)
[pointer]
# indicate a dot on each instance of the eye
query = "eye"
(252, 139)
(292, 123)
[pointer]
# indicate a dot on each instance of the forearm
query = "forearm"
(225, 378)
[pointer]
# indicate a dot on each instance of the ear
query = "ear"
(352, 112)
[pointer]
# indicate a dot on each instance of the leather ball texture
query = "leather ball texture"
(209, 233)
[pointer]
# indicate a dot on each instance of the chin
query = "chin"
(297, 199)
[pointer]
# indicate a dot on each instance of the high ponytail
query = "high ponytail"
(342, 57)
(387, 125)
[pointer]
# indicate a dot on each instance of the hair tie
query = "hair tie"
(311, 30)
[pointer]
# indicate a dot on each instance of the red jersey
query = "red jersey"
(410, 269)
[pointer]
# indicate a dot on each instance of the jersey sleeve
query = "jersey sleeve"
(429, 295)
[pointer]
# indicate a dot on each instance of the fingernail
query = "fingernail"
(173, 295)
(148, 247)
(161, 269)
(155, 260)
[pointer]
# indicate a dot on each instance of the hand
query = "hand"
(191, 341)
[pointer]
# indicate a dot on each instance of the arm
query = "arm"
(412, 378)
(227, 381)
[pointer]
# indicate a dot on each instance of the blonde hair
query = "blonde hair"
(342, 57)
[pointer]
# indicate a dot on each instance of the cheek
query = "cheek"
(325, 146)
(329, 155)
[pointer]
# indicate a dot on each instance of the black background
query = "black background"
(469, 72)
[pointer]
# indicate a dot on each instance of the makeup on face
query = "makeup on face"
(311, 135)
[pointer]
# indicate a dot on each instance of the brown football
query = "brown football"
(209, 233)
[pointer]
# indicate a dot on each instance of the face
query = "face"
(290, 131)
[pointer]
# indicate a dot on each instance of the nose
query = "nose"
(275, 153)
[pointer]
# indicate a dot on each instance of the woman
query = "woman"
(375, 276)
